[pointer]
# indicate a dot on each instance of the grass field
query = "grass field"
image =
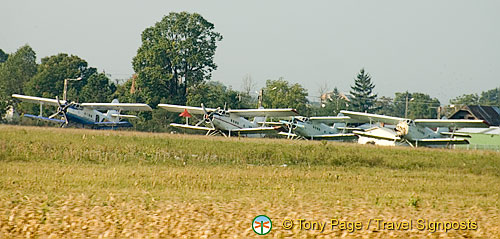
(81, 183)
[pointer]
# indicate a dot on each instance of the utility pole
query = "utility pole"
(66, 86)
(406, 105)
(261, 93)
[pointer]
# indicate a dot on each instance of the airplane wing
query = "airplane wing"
(456, 134)
(458, 123)
(264, 112)
(330, 119)
(181, 108)
(258, 130)
(34, 99)
(349, 128)
(287, 134)
(440, 141)
(367, 117)
(376, 136)
(335, 136)
(60, 121)
(187, 126)
(117, 106)
(113, 124)
(270, 123)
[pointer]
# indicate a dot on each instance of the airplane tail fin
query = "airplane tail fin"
(114, 114)
(440, 129)
(257, 120)
(339, 125)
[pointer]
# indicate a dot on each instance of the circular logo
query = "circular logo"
(262, 224)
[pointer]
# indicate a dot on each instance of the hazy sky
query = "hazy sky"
(442, 48)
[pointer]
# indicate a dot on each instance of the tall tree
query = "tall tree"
(385, 106)
(176, 53)
(363, 97)
(281, 94)
(97, 89)
(215, 94)
(490, 97)
(332, 103)
(420, 105)
(466, 99)
(18, 69)
(49, 80)
(3, 56)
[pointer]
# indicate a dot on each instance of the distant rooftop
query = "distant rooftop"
(490, 114)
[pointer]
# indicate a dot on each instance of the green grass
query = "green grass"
(134, 176)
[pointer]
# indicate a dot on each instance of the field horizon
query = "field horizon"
(94, 183)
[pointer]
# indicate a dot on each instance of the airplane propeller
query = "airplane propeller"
(61, 109)
(207, 117)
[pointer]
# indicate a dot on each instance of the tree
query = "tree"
(420, 105)
(248, 84)
(490, 97)
(176, 53)
(49, 80)
(363, 97)
(280, 94)
(332, 104)
(466, 99)
(97, 89)
(215, 94)
(385, 106)
(18, 69)
(3, 56)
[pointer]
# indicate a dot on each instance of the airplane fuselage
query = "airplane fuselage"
(231, 122)
(85, 116)
(93, 117)
(411, 132)
(309, 130)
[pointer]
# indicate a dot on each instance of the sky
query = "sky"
(444, 48)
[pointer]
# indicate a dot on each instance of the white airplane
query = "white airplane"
(228, 122)
(85, 113)
(413, 132)
(321, 127)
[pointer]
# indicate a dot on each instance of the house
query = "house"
(490, 114)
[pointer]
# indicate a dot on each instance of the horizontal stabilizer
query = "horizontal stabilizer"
(124, 116)
(349, 128)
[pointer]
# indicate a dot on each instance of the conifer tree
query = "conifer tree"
(363, 97)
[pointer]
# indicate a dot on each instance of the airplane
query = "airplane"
(412, 132)
(231, 121)
(321, 128)
(85, 113)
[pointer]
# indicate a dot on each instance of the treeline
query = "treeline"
(174, 65)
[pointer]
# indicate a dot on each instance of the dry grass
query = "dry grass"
(82, 183)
